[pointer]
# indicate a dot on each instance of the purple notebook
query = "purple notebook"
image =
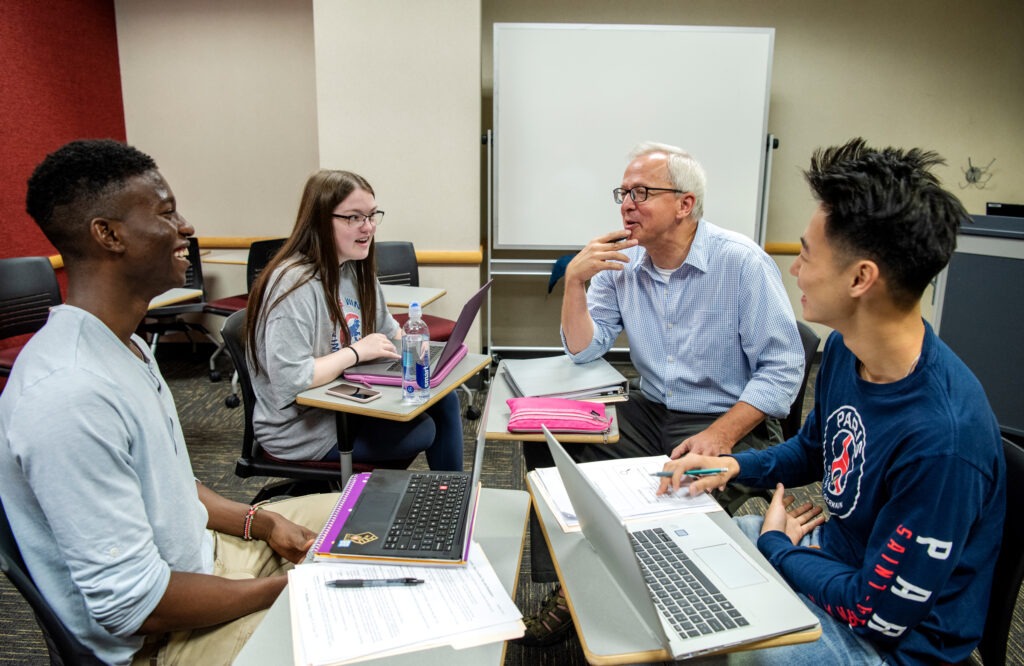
(329, 534)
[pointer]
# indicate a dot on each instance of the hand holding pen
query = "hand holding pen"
(707, 472)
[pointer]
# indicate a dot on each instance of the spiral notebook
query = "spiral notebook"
(329, 534)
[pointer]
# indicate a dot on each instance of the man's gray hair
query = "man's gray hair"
(684, 171)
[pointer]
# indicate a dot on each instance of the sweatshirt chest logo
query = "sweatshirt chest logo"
(844, 460)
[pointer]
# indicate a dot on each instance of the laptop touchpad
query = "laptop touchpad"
(380, 510)
(731, 567)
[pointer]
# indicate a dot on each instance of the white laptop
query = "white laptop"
(723, 598)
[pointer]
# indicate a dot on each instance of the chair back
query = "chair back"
(792, 422)
(28, 289)
(63, 646)
(233, 334)
(1010, 563)
(260, 254)
(194, 274)
(396, 263)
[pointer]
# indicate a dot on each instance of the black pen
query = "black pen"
(374, 582)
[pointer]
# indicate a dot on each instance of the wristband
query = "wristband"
(247, 526)
(354, 352)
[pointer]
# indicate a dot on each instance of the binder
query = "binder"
(560, 377)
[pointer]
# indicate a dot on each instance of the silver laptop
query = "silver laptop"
(721, 599)
(441, 353)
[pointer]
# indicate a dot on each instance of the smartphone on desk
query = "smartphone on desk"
(353, 392)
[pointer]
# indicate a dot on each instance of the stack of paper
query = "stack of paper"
(462, 607)
(560, 377)
(629, 487)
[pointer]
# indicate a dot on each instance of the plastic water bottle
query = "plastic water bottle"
(415, 358)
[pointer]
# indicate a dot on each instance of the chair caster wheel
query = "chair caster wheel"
(472, 413)
(232, 401)
(214, 375)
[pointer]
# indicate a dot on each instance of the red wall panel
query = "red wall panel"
(59, 80)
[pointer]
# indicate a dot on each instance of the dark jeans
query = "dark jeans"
(646, 428)
(438, 432)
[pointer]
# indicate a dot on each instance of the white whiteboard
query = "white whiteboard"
(571, 100)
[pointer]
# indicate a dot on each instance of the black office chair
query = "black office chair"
(792, 422)
(65, 649)
(28, 289)
(159, 321)
(397, 264)
(1009, 565)
(303, 476)
(260, 254)
(738, 494)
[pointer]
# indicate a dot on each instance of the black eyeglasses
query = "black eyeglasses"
(358, 219)
(639, 193)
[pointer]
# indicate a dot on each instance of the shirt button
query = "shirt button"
(668, 394)
(670, 359)
(669, 325)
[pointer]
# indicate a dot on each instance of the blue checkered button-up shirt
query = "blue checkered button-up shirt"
(719, 331)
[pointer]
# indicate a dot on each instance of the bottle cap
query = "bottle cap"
(414, 310)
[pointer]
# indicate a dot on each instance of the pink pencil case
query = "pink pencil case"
(558, 414)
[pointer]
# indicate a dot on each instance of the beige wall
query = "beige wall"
(240, 100)
(939, 74)
(223, 95)
(398, 97)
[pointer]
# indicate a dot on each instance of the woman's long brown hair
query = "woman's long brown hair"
(312, 244)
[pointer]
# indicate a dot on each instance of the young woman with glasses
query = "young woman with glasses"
(316, 310)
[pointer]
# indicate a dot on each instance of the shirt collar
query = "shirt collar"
(696, 257)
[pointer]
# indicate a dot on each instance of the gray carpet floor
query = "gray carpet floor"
(213, 433)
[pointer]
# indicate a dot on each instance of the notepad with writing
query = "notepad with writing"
(332, 529)
(456, 606)
(560, 377)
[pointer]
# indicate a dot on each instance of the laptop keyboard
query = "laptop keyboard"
(430, 515)
(435, 352)
(683, 594)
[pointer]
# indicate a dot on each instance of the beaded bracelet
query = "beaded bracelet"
(247, 527)
(354, 352)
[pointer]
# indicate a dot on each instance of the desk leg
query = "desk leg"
(344, 446)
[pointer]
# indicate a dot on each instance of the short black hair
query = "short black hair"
(886, 205)
(73, 183)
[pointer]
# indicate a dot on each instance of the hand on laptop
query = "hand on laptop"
(376, 346)
(797, 522)
(707, 472)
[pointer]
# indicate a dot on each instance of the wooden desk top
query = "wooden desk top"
(501, 531)
(389, 405)
(175, 296)
(235, 257)
(619, 637)
(498, 414)
(403, 295)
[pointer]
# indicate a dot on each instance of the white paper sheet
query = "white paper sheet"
(458, 606)
(629, 487)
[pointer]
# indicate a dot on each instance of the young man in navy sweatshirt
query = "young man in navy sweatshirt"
(902, 437)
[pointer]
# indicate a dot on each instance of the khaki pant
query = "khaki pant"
(238, 559)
